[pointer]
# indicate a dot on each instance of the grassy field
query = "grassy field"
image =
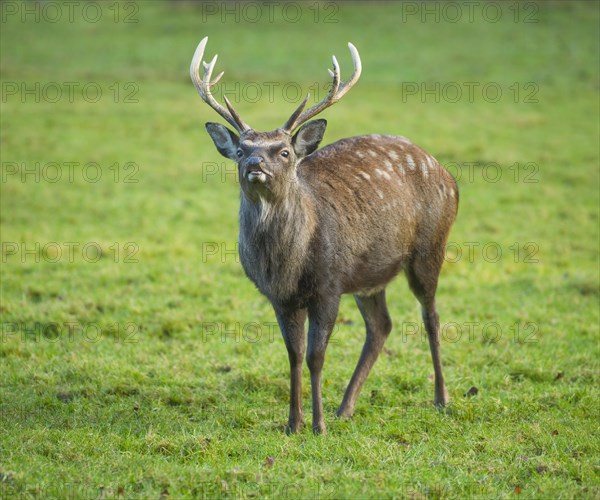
(137, 360)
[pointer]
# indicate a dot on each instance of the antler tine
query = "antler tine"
(203, 87)
(337, 91)
(355, 75)
(234, 114)
(214, 82)
(289, 125)
(335, 74)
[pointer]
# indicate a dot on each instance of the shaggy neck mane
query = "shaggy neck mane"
(274, 240)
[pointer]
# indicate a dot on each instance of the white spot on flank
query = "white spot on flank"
(388, 164)
(380, 194)
(393, 155)
(383, 174)
(365, 176)
(360, 154)
(452, 192)
(410, 162)
(424, 168)
(372, 153)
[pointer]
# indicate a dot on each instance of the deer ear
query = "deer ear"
(225, 140)
(308, 137)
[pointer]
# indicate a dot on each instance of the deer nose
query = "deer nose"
(255, 172)
(254, 161)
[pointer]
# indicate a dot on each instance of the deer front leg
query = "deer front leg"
(292, 329)
(322, 317)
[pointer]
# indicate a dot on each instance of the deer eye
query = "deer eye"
(285, 153)
(239, 153)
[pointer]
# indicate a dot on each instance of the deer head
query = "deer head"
(267, 160)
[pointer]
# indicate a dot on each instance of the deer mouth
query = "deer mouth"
(257, 176)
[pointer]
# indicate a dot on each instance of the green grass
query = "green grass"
(171, 378)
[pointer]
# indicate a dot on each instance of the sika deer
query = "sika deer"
(319, 223)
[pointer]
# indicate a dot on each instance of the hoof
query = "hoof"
(345, 413)
(293, 427)
(441, 400)
(319, 429)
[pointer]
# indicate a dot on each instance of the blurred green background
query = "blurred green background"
(137, 359)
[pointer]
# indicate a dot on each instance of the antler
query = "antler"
(204, 84)
(338, 90)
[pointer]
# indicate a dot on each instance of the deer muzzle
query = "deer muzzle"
(254, 170)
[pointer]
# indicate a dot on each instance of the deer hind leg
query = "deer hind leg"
(379, 325)
(422, 277)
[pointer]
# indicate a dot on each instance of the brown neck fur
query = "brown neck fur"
(274, 239)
